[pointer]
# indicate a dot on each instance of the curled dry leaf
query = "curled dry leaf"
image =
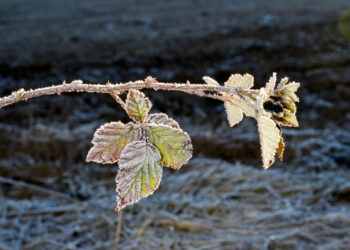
(173, 144)
(269, 140)
(110, 139)
(280, 149)
(140, 172)
(161, 118)
(137, 105)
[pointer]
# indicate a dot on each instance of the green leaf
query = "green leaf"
(174, 144)
(161, 118)
(140, 172)
(270, 138)
(137, 105)
(110, 139)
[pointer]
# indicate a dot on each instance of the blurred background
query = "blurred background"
(222, 199)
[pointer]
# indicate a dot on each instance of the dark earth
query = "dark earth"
(222, 199)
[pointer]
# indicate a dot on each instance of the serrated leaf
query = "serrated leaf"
(140, 172)
(234, 113)
(269, 140)
(245, 81)
(280, 149)
(173, 144)
(210, 81)
(161, 118)
(137, 105)
(110, 139)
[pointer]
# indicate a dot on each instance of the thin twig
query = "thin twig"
(119, 228)
(118, 99)
(79, 86)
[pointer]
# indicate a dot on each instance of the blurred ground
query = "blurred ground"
(222, 199)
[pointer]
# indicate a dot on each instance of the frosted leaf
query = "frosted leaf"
(173, 144)
(235, 110)
(137, 105)
(161, 118)
(269, 140)
(282, 83)
(245, 81)
(248, 110)
(292, 86)
(210, 81)
(110, 139)
(234, 114)
(289, 90)
(270, 85)
(140, 172)
(280, 149)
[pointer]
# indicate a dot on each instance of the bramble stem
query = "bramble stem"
(116, 89)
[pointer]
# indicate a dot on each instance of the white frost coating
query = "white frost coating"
(210, 81)
(269, 140)
(110, 139)
(161, 118)
(245, 81)
(139, 174)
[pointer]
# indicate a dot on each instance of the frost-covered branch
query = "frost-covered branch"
(115, 89)
(153, 141)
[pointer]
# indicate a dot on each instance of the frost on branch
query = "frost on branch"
(110, 139)
(140, 173)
